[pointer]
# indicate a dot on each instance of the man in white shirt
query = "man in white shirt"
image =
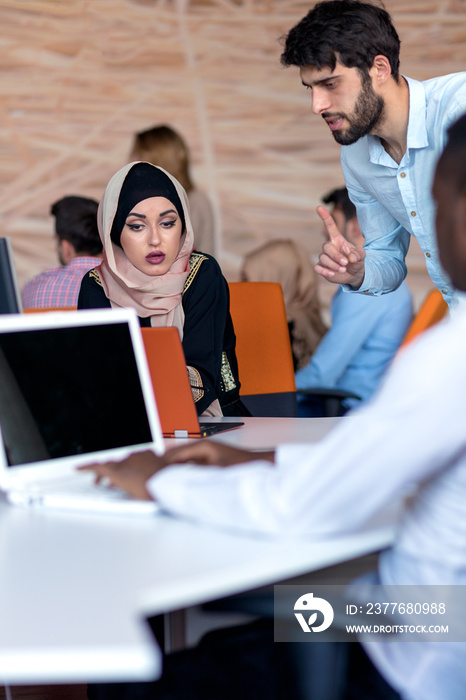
(410, 437)
(392, 130)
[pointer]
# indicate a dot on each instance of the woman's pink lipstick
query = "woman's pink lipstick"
(156, 258)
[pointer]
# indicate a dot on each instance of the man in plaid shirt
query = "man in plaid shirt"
(79, 250)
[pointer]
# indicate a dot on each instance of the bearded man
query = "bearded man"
(392, 130)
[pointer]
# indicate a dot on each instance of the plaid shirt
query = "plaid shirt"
(58, 287)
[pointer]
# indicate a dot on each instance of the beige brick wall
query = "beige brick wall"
(78, 77)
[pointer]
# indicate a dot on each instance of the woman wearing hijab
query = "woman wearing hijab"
(285, 262)
(149, 265)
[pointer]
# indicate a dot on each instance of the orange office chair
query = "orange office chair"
(50, 308)
(263, 348)
(431, 311)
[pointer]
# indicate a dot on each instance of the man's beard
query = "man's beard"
(368, 112)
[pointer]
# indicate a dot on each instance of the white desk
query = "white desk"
(73, 587)
(266, 433)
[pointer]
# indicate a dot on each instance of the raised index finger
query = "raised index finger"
(328, 222)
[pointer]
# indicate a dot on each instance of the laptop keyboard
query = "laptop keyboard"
(81, 495)
(81, 485)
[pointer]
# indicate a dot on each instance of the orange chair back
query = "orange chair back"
(263, 347)
(431, 311)
(51, 308)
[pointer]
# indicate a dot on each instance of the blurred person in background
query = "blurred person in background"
(79, 250)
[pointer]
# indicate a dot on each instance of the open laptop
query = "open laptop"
(175, 403)
(75, 389)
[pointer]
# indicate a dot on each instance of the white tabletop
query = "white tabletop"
(267, 433)
(74, 588)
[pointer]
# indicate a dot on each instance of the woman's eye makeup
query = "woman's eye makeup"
(169, 223)
(139, 225)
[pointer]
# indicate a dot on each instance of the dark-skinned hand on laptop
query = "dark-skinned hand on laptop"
(132, 474)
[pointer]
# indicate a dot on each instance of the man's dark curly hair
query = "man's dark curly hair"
(349, 31)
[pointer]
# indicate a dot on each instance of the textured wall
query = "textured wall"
(78, 77)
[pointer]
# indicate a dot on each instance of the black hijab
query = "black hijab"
(142, 182)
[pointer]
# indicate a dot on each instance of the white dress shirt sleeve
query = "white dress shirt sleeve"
(398, 439)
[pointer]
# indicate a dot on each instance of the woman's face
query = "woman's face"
(151, 236)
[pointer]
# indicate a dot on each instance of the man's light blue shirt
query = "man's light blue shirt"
(394, 201)
(365, 334)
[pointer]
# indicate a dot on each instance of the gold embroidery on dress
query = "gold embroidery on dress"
(228, 378)
(95, 276)
(195, 261)
(195, 381)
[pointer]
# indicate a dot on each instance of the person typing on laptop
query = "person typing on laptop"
(408, 439)
(150, 265)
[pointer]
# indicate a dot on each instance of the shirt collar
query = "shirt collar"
(417, 127)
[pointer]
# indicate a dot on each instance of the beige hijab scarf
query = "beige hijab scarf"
(158, 298)
(285, 262)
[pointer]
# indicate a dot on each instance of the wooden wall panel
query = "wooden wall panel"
(78, 77)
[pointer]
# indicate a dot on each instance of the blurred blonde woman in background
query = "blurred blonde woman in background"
(285, 262)
(163, 146)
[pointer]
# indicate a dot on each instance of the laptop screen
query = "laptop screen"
(68, 391)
